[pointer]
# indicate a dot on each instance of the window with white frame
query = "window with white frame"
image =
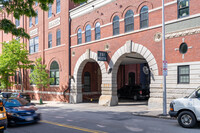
(97, 31)
(49, 40)
(116, 25)
(58, 38)
(144, 17)
(54, 73)
(33, 45)
(88, 33)
(183, 74)
(129, 21)
(79, 36)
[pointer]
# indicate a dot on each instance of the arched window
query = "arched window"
(144, 17)
(58, 38)
(116, 25)
(87, 82)
(183, 8)
(129, 21)
(79, 37)
(97, 31)
(88, 33)
(54, 73)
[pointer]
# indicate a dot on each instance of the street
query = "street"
(61, 119)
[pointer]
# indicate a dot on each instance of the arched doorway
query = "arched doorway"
(133, 78)
(91, 82)
(120, 57)
(86, 63)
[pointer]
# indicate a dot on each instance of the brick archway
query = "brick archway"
(76, 82)
(109, 95)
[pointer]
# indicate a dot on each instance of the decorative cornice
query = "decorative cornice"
(182, 33)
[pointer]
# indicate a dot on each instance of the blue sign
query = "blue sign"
(102, 56)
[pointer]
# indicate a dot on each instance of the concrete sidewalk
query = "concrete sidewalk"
(136, 108)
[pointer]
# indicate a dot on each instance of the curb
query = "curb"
(156, 116)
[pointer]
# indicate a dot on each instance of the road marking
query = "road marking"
(72, 127)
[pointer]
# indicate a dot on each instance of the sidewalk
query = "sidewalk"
(136, 108)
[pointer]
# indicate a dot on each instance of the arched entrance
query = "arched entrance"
(91, 82)
(83, 86)
(133, 78)
(129, 50)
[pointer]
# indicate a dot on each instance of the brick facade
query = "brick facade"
(144, 43)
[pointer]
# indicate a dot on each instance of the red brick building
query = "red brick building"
(49, 39)
(129, 33)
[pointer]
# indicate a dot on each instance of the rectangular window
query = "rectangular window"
(183, 8)
(183, 74)
(144, 20)
(88, 36)
(97, 33)
(55, 76)
(115, 27)
(129, 23)
(36, 18)
(50, 40)
(57, 6)
(17, 22)
(58, 38)
(79, 38)
(33, 45)
(50, 11)
(30, 21)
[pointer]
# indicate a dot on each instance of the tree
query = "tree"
(21, 8)
(39, 76)
(14, 57)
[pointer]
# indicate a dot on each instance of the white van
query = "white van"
(187, 109)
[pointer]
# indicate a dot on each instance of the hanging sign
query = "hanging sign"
(102, 56)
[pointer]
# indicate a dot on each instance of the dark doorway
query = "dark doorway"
(91, 82)
(131, 79)
(87, 82)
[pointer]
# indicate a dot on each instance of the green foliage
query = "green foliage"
(79, 1)
(19, 8)
(14, 57)
(39, 75)
(22, 8)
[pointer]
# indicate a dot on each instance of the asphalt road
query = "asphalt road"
(66, 120)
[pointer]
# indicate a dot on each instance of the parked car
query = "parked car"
(21, 95)
(135, 92)
(187, 110)
(20, 111)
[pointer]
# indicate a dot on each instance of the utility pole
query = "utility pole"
(164, 60)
